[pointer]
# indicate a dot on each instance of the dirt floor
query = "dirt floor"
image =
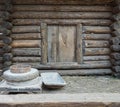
(88, 84)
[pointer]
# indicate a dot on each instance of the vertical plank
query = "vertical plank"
(44, 44)
(67, 43)
(52, 44)
(79, 52)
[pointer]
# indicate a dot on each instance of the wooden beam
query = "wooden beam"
(44, 45)
(61, 15)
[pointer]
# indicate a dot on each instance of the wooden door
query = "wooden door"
(61, 43)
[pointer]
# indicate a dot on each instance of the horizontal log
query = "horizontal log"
(7, 48)
(26, 59)
(5, 15)
(96, 29)
(26, 36)
(1, 43)
(7, 40)
(115, 62)
(61, 2)
(26, 52)
(116, 17)
(1, 52)
(115, 48)
(97, 36)
(62, 8)
(7, 25)
(116, 9)
(82, 72)
(96, 58)
(115, 41)
(116, 33)
(61, 15)
(26, 44)
(7, 56)
(4, 31)
(115, 56)
(102, 22)
(70, 66)
(116, 69)
(96, 43)
(26, 29)
(115, 25)
(97, 51)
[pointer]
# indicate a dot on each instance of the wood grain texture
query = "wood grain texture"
(61, 15)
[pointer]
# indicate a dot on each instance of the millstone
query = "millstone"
(20, 77)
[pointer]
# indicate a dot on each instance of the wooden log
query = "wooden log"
(7, 64)
(96, 58)
(26, 36)
(61, 15)
(116, 33)
(7, 57)
(117, 75)
(26, 52)
(26, 59)
(81, 72)
(96, 43)
(97, 51)
(62, 8)
(116, 9)
(116, 17)
(26, 29)
(115, 48)
(1, 43)
(70, 66)
(26, 44)
(61, 2)
(1, 51)
(88, 22)
(116, 25)
(96, 29)
(115, 62)
(1, 60)
(5, 15)
(44, 44)
(115, 41)
(7, 40)
(116, 69)
(7, 48)
(97, 36)
(5, 31)
(79, 53)
(2, 8)
(6, 24)
(115, 56)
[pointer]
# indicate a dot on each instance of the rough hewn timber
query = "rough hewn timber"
(116, 69)
(88, 22)
(115, 41)
(7, 48)
(115, 62)
(7, 25)
(7, 40)
(115, 48)
(116, 33)
(7, 56)
(115, 56)
(26, 44)
(61, 15)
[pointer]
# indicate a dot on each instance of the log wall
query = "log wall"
(26, 32)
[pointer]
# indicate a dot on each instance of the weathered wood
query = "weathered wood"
(71, 66)
(1, 60)
(116, 25)
(115, 48)
(115, 62)
(26, 59)
(7, 57)
(1, 43)
(81, 72)
(115, 56)
(96, 29)
(96, 58)
(5, 31)
(1, 51)
(79, 51)
(26, 29)
(26, 43)
(67, 43)
(116, 9)
(6, 24)
(7, 48)
(61, 8)
(7, 40)
(116, 69)
(97, 36)
(2, 8)
(26, 36)
(116, 17)
(44, 44)
(5, 15)
(61, 2)
(116, 33)
(94, 22)
(7, 64)
(96, 43)
(97, 51)
(26, 52)
(115, 41)
(62, 15)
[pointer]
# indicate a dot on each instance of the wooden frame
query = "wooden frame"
(44, 44)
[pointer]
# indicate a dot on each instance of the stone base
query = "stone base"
(7, 88)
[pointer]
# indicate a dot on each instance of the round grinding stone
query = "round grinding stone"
(19, 77)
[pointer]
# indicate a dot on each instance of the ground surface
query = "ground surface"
(89, 84)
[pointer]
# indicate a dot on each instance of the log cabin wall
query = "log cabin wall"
(95, 19)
